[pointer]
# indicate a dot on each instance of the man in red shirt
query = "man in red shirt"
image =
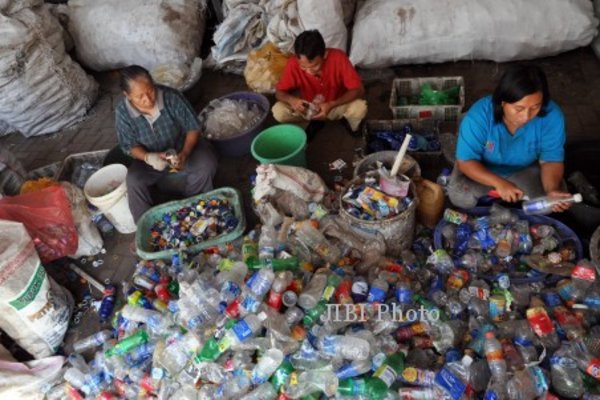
(324, 77)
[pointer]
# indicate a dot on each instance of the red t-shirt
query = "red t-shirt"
(337, 77)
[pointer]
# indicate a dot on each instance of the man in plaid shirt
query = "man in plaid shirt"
(150, 120)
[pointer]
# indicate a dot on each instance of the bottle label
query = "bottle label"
(376, 295)
(346, 371)
(328, 345)
(387, 374)
(404, 295)
(495, 355)
(531, 207)
(593, 368)
(242, 330)
(539, 321)
(563, 362)
(450, 383)
(541, 384)
(417, 377)
(583, 273)
(481, 293)
(328, 293)
(592, 302)
(491, 395)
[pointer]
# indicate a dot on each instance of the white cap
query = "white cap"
(577, 198)
(467, 360)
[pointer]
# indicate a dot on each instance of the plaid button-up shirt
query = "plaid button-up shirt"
(168, 131)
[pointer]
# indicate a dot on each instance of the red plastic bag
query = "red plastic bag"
(47, 217)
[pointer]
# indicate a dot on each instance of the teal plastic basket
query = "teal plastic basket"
(142, 235)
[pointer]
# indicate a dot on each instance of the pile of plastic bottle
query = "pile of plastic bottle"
(255, 320)
(225, 118)
(423, 140)
(193, 224)
(367, 200)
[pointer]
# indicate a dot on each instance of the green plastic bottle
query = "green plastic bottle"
(333, 281)
(250, 253)
(125, 345)
(385, 376)
(314, 313)
(285, 264)
(352, 387)
(430, 306)
(282, 375)
(210, 351)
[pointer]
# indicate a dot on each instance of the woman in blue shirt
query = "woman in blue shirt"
(512, 141)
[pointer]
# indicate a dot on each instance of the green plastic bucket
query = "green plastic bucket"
(280, 144)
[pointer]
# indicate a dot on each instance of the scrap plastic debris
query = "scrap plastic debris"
(367, 201)
(284, 313)
(194, 224)
(226, 118)
(423, 139)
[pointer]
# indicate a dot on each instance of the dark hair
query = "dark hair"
(517, 82)
(310, 44)
(131, 73)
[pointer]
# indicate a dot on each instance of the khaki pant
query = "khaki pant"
(354, 112)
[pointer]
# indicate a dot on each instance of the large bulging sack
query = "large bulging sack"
(41, 89)
(34, 310)
(391, 32)
(328, 18)
(163, 36)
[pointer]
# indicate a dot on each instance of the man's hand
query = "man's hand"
(509, 192)
(182, 158)
(557, 194)
(298, 105)
(156, 161)
(324, 110)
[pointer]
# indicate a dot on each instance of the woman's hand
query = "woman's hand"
(509, 192)
(557, 194)
(299, 105)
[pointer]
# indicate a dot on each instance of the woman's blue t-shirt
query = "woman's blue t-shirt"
(482, 139)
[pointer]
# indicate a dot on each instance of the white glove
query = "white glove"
(155, 161)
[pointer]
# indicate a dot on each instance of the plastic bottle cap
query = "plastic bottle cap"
(577, 198)
(467, 360)
(489, 335)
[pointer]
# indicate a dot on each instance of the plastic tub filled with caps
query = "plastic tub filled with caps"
(521, 269)
(232, 121)
(209, 219)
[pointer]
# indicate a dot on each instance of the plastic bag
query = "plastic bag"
(89, 240)
(47, 217)
(300, 181)
(34, 310)
(264, 68)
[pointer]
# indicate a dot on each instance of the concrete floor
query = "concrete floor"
(574, 79)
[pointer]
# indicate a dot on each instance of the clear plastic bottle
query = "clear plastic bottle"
(453, 378)
(527, 384)
(523, 339)
(314, 239)
(346, 347)
(242, 330)
(95, 340)
(495, 357)
(496, 391)
(544, 205)
(231, 281)
(579, 353)
(313, 291)
(353, 369)
(542, 325)
(267, 365)
(312, 381)
(280, 283)
(378, 291)
(565, 377)
(583, 277)
(266, 391)
(266, 244)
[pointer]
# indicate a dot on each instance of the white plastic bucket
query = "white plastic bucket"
(106, 189)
